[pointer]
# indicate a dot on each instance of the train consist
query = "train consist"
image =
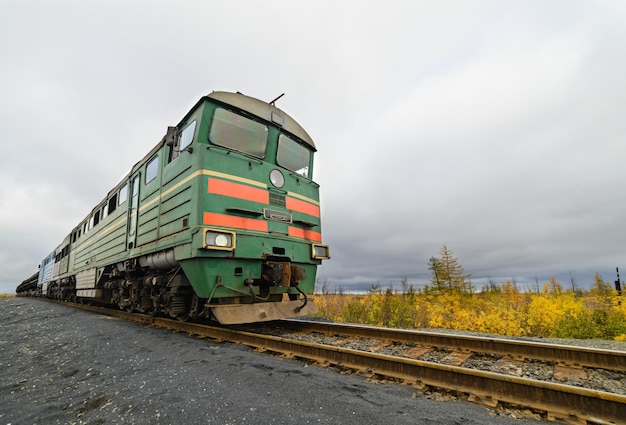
(221, 219)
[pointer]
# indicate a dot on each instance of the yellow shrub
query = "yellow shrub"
(503, 322)
(546, 312)
(501, 312)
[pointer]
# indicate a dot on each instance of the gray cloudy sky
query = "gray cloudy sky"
(494, 127)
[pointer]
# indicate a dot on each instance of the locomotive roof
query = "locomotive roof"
(263, 110)
(249, 104)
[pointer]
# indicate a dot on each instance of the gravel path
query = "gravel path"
(59, 365)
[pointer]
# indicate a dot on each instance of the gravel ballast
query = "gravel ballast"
(59, 365)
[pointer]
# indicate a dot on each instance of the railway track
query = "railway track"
(564, 355)
(564, 403)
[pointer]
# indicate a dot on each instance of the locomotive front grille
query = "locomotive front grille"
(277, 199)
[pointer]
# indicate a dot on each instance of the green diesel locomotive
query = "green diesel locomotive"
(221, 219)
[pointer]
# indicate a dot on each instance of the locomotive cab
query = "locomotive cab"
(259, 212)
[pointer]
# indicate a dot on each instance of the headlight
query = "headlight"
(320, 252)
(223, 240)
(219, 240)
(277, 178)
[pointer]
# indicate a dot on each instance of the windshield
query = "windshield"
(238, 133)
(293, 156)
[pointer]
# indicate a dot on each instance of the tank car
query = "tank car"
(221, 219)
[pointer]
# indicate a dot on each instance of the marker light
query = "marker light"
(320, 252)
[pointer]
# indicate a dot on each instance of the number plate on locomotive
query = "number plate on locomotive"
(276, 215)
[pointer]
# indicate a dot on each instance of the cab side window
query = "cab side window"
(152, 169)
(185, 139)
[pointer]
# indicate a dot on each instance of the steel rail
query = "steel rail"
(561, 402)
(562, 354)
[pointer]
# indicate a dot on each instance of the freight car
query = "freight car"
(28, 286)
(221, 219)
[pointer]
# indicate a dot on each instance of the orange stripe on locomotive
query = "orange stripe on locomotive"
(235, 222)
(236, 190)
(302, 206)
(310, 235)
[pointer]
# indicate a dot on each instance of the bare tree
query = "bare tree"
(572, 281)
(324, 288)
(405, 285)
(537, 283)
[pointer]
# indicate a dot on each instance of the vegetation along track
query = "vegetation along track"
(568, 403)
